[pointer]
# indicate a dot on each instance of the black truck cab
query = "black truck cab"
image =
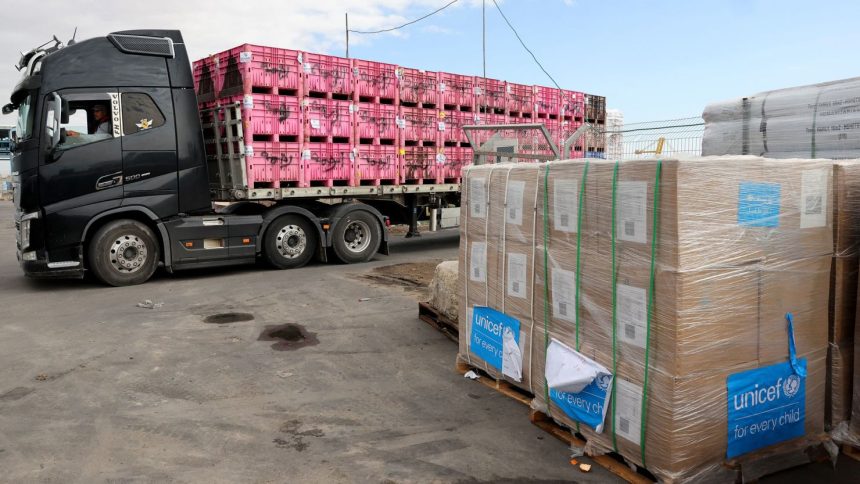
(110, 172)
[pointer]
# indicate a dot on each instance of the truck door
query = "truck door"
(82, 175)
(149, 149)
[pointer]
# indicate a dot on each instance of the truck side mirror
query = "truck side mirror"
(9, 108)
(65, 111)
(58, 107)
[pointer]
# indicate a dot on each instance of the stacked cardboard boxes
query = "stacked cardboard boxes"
(675, 303)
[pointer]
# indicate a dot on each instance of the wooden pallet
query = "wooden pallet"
(438, 321)
(501, 386)
(851, 451)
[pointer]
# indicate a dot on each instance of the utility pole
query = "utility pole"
(346, 17)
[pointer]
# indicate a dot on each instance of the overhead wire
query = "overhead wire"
(406, 24)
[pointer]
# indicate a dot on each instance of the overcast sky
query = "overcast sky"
(653, 60)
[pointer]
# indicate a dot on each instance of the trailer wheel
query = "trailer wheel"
(356, 237)
(290, 242)
(123, 253)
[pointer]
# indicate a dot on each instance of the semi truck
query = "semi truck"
(110, 175)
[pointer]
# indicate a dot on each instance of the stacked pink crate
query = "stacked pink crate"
(327, 74)
(376, 165)
(319, 120)
(417, 86)
(456, 92)
(375, 82)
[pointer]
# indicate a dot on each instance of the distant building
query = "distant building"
(5, 155)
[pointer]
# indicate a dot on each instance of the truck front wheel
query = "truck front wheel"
(356, 237)
(123, 253)
(290, 242)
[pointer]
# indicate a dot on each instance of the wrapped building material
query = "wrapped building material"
(682, 312)
(443, 289)
(816, 121)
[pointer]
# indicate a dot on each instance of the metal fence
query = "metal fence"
(674, 137)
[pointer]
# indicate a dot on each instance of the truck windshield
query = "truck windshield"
(24, 126)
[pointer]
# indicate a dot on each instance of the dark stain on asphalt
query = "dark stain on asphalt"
(288, 337)
(227, 318)
(16, 394)
(296, 438)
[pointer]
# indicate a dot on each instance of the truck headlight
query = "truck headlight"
(25, 229)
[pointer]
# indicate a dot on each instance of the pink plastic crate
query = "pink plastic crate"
(519, 98)
(456, 90)
(377, 121)
(375, 79)
(326, 73)
(451, 125)
(491, 93)
(572, 105)
(418, 124)
(376, 165)
(449, 166)
(417, 86)
(327, 164)
(269, 116)
(252, 68)
(205, 79)
(418, 165)
(489, 118)
(328, 117)
(273, 163)
(547, 100)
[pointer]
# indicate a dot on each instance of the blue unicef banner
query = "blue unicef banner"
(488, 329)
(766, 405)
(589, 405)
(758, 204)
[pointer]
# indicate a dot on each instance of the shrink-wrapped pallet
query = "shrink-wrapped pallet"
(680, 311)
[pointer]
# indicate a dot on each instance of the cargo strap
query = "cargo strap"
(579, 250)
(614, 308)
(655, 224)
(546, 282)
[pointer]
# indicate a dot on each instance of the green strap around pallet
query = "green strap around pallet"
(546, 282)
(579, 246)
(655, 224)
(614, 309)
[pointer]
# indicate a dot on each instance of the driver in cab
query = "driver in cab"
(101, 127)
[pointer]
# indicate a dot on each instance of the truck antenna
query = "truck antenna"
(71, 42)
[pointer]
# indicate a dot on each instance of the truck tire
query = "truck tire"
(290, 241)
(123, 253)
(356, 237)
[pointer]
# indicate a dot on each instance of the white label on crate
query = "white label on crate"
(564, 294)
(632, 210)
(628, 410)
(355, 72)
(440, 158)
(514, 202)
(478, 262)
(813, 199)
(245, 57)
(306, 154)
(400, 122)
(632, 315)
(315, 123)
(353, 108)
(441, 87)
(249, 151)
(476, 90)
(477, 197)
(398, 73)
(307, 67)
(508, 87)
(248, 101)
(299, 58)
(441, 125)
(517, 275)
(565, 205)
(352, 156)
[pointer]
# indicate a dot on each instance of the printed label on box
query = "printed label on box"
(441, 125)
(578, 385)
(758, 204)
(249, 151)
(248, 101)
(564, 294)
(632, 315)
(632, 211)
(517, 275)
(495, 339)
(813, 198)
(765, 406)
(315, 123)
(245, 57)
(477, 197)
(514, 202)
(440, 158)
(478, 262)
(565, 206)
(628, 410)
